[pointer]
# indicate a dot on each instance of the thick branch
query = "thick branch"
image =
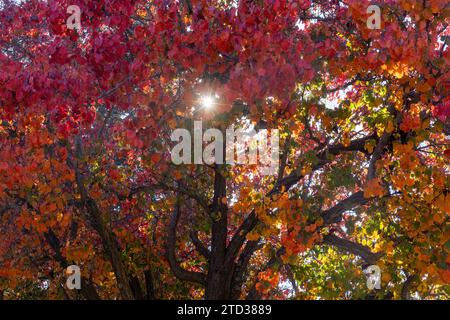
(323, 159)
(199, 245)
(251, 221)
(87, 289)
(219, 273)
(199, 199)
(354, 248)
(406, 289)
(179, 272)
(371, 173)
(136, 288)
(108, 240)
(334, 214)
(150, 289)
(241, 267)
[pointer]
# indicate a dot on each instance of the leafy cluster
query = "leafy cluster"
(86, 176)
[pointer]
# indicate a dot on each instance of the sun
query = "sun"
(207, 102)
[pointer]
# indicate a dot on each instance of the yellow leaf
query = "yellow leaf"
(370, 145)
(390, 127)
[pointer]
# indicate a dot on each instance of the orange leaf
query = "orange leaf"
(373, 188)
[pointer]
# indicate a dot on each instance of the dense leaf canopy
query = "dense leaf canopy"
(86, 176)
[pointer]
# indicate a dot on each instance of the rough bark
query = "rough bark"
(96, 218)
(178, 271)
(87, 290)
(354, 248)
(219, 276)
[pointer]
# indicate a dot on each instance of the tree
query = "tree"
(85, 170)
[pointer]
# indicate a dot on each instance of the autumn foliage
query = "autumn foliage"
(86, 176)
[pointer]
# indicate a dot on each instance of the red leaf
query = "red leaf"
(447, 153)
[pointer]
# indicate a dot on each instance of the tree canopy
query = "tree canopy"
(86, 176)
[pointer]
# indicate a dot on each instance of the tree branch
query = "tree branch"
(241, 267)
(354, 248)
(199, 245)
(371, 173)
(251, 221)
(178, 271)
(150, 289)
(406, 289)
(87, 288)
(334, 214)
(108, 240)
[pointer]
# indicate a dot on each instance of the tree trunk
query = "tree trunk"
(218, 282)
